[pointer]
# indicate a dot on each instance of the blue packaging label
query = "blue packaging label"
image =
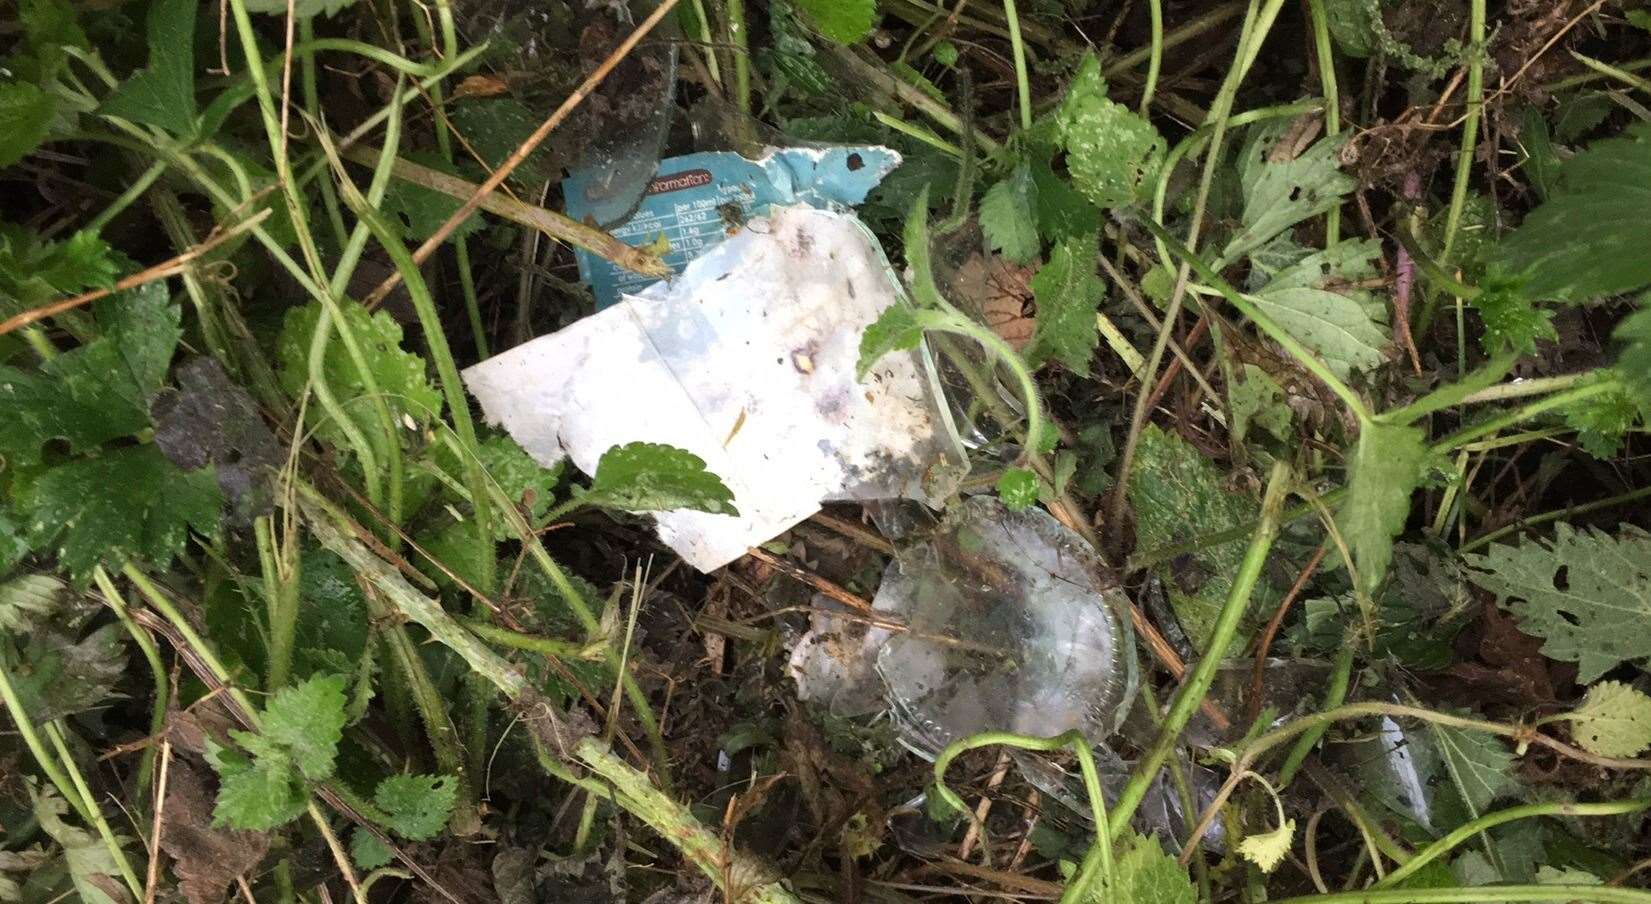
(698, 200)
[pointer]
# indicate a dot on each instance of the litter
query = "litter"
(748, 361)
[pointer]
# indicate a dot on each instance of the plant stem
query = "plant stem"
(280, 601)
(1568, 512)
(1340, 676)
(1332, 99)
(1489, 894)
(157, 669)
(132, 193)
(94, 814)
(312, 103)
(1221, 637)
(544, 646)
(31, 739)
(739, 39)
(1491, 820)
(1023, 87)
(1155, 50)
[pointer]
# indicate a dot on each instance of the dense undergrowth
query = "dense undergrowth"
(1326, 322)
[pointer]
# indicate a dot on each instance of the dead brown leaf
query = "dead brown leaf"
(1001, 290)
(206, 859)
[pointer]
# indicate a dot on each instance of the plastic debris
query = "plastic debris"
(1006, 629)
(748, 361)
(698, 200)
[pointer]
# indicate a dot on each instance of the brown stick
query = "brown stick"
(527, 147)
(549, 222)
(161, 270)
(830, 588)
(1272, 628)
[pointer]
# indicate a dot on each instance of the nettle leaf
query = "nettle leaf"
(257, 795)
(91, 864)
(1281, 193)
(843, 21)
(61, 673)
(1587, 594)
(1008, 216)
(1313, 302)
(27, 600)
(1268, 849)
(1512, 320)
(127, 504)
(1178, 494)
(367, 851)
(651, 477)
(33, 272)
(1144, 873)
(495, 127)
(164, 94)
(1257, 399)
(1480, 766)
(1589, 238)
(418, 212)
(307, 720)
(1601, 421)
(1112, 152)
(26, 113)
(1385, 468)
(99, 391)
(1018, 488)
(416, 806)
(1634, 364)
(14, 542)
(523, 480)
(401, 375)
(898, 329)
(1613, 720)
(1067, 292)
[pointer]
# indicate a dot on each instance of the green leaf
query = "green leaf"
(1177, 495)
(1480, 766)
(1590, 238)
(91, 864)
(1063, 213)
(1143, 873)
(1587, 594)
(25, 114)
(843, 21)
(14, 542)
(254, 795)
(1634, 333)
(63, 673)
(1112, 153)
(367, 851)
(1018, 488)
(1511, 319)
(401, 375)
(28, 599)
(127, 504)
(33, 272)
(416, 806)
(1008, 216)
(523, 480)
(1601, 421)
(1613, 720)
(898, 329)
(496, 126)
(1258, 399)
(1280, 194)
(164, 94)
(1352, 23)
(1344, 326)
(418, 212)
(651, 477)
(1385, 468)
(307, 719)
(1067, 292)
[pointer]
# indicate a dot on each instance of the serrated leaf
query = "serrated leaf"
(652, 477)
(307, 719)
(257, 795)
(1602, 420)
(1590, 238)
(1018, 488)
(898, 329)
(1063, 212)
(1613, 720)
(332, 629)
(61, 673)
(1067, 292)
(1480, 766)
(416, 806)
(1280, 194)
(400, 374)
(1178, 494)
(367, 851)
(26, 113)
(1309, 300)
(1383, 471)
(1268, 849)
(523, 480)
(127, 504)
(418, 212)
(1143, 873)
(1587, 594)
(163, 94)
(1008, 216)
(33, 272)
(843, 21)
(1512, 320)
(27, 600)
(1112, 152)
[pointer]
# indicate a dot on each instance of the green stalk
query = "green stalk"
(1197, 684)
(31, 739)
(1568, 512)
(55, 732)
(1491, 820)
(1470, 122)
(280, 601)
(132, 193)
(1489, 894)
(157, 669)
(312, 102)
(739, 40)
(1155, 50)
(1023, 87)
(1332, 99)
(1340, 676)
(554, 647)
